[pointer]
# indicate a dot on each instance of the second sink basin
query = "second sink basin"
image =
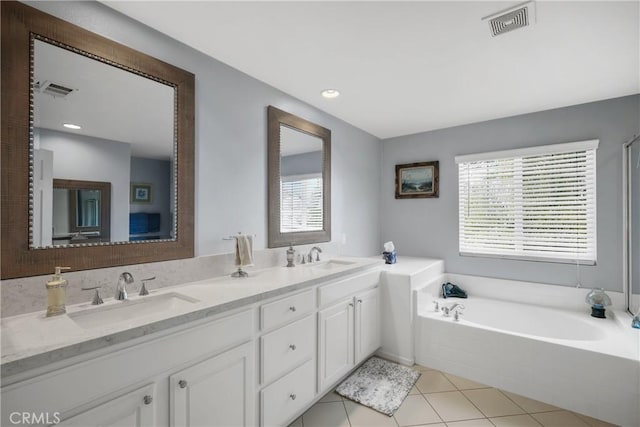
(118, 312)
(329, 265)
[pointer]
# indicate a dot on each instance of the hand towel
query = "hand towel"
(244, 250)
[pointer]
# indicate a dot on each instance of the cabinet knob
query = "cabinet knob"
(359, 301)
(292, 346)
(292, 396)
(182, 383)
(147, 400)
(292, 308)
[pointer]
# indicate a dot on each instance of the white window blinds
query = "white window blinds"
(537, 203)
(301, 203)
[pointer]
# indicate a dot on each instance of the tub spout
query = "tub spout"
(448, 309)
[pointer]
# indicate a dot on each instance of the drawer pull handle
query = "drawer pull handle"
(292, 396)
(350, 304)
(147, 400)
(292, 308)
(359, 301)
(182, 383)
(292, 347)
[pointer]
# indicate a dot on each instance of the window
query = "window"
(536, 203)
(301, 203)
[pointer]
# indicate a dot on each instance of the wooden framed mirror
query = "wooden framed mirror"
(54, 73)
(299, 180)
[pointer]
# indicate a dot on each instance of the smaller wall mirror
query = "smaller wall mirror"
(299, 180)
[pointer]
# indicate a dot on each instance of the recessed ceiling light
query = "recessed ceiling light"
(330, 93)
(72, 126)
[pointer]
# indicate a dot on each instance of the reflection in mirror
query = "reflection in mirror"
(632, 163)
(81, 212)
(299, 180)
(96, 122)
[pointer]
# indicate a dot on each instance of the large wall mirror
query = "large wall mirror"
(299, 180)
(97, 150)
(631, 195)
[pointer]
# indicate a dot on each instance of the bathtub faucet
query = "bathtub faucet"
(453, 307)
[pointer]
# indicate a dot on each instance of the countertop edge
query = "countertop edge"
(58, 355)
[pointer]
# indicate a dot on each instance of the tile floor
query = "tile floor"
(444, 400)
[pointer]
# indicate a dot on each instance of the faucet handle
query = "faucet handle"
(143, 289)
(436, 306)
(97, 299)
(457, 312)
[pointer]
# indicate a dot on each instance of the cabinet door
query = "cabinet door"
(133, 409)
(335, 342)
(367, 323)
(216, 392)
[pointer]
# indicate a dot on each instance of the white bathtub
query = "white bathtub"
(535, 340)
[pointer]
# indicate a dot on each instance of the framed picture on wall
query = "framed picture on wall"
(417, 180)
(140, 193)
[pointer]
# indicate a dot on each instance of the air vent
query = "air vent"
(511, 19)
(53, 89)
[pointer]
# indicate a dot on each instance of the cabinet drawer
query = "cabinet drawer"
(284, 310)
(347, 287)
(286, 347)
(284, 398)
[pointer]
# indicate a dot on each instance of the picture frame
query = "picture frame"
(418, 180)
(141, 193)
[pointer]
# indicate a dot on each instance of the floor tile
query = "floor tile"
(492, 403)
(332, 396)
(559, 419)
(594, 422)
(363, 416)
(296, 423)
(432, 425)
(463, 383)
(330, 414)
(483, 422)
(413, 391)
(434, 381)
(453, 406)
(415, 410)
(529, 405)
(515, 421)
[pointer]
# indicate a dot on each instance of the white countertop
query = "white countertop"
(32, 340)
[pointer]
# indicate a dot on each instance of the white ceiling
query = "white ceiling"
(408, 67)
(107, 102)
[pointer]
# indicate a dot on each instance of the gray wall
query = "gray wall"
(94, 159)
(301, 164)
(231, 141)
(429, 227)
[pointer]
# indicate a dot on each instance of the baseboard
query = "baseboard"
(395, 358)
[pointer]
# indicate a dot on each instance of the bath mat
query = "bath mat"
(379, 384)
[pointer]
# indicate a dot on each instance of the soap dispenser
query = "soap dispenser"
(291, 255)
(57, 293)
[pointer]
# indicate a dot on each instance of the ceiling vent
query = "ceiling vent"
(511, 19)
(53, 89)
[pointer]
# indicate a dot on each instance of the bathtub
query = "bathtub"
(535, 340)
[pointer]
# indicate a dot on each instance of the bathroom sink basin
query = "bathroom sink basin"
(126, 311)
(329, 265)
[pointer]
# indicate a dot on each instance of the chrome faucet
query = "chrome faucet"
(318, 252)
(453, 307)
(121, 290)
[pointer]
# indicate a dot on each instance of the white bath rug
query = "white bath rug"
(379, 384)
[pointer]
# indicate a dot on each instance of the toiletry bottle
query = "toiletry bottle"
(635, 322)
(291, 254)
(57, 293)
